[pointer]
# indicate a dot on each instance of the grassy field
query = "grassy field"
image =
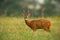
(12, 28)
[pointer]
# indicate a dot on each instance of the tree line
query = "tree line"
(16, 7)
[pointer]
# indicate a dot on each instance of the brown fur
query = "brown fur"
(39, 24)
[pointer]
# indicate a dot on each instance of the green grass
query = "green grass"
(12, 28)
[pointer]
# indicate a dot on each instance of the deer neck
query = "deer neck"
(27, 22)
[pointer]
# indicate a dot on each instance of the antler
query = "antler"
(23, 12)
(42, 14)
(26, 14)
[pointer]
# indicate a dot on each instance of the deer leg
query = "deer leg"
(47, 29)
(34, 32)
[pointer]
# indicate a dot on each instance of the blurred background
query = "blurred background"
(12, 24)
(15, 7)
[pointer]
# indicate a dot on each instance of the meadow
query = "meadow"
(12, 28)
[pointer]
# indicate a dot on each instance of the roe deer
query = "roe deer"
(37, 24)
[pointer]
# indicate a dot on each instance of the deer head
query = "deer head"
(26, 14)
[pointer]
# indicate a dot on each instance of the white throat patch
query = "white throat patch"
(26, 19)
